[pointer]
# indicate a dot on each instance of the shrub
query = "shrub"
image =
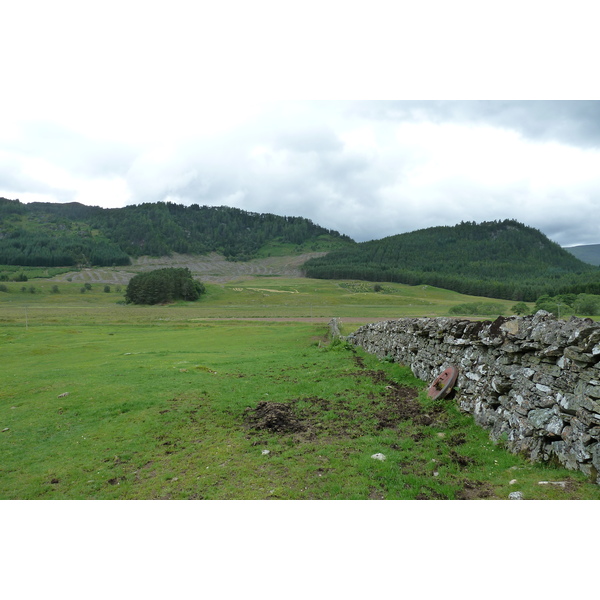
(107, 288)
(55, 289)
(587, 304)
(477, 308)
(3, 288)
(560, 305)
(520, 308)
(87, 286)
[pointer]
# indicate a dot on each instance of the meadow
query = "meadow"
(242, 395)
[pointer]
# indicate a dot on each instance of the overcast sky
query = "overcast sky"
(112, 104)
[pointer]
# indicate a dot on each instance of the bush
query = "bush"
(587, 304)
(55, 289)
(477, 308)
(87, 286)
(107, 288)
(163, 285)
(520, 308)
(3, 288)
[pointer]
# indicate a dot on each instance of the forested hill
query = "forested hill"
(495, 259)
(49, 234)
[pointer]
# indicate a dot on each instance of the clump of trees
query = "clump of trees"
(163, 285)
(570, 304)
(520, 308)
(477, 308)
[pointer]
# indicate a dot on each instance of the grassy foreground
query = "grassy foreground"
(106, 401)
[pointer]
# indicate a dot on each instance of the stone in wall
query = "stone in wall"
(535, 381)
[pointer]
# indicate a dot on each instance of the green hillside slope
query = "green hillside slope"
(495, 259)
(49, 234)
(589, 253)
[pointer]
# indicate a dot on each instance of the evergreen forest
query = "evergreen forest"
(496, 259)
(51, 234)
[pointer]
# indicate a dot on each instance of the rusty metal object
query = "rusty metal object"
(443, 383)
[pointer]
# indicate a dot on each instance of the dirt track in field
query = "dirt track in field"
(211, 268)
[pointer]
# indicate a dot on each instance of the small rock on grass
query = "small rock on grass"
(515, 496)
(378, 456)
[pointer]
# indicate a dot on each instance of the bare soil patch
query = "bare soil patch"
(341, 416)
(274, 417)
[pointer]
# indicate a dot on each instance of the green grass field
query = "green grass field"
(102, 400)
(258, 297)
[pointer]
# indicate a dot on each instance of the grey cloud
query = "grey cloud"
(309, 140)
(575, 122)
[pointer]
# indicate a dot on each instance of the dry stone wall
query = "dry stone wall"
(533, 381)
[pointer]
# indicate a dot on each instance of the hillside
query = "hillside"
(495, 259)
(589, 253)
(50, 234)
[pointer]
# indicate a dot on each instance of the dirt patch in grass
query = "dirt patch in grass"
(274, 417)
(428, 493)
(401, 403)
(460, 460)
(342, 416)
(475, 490)
(457, 439)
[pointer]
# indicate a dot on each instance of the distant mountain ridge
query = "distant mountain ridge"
(498, 259)
(588, 253)
(51, 234)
